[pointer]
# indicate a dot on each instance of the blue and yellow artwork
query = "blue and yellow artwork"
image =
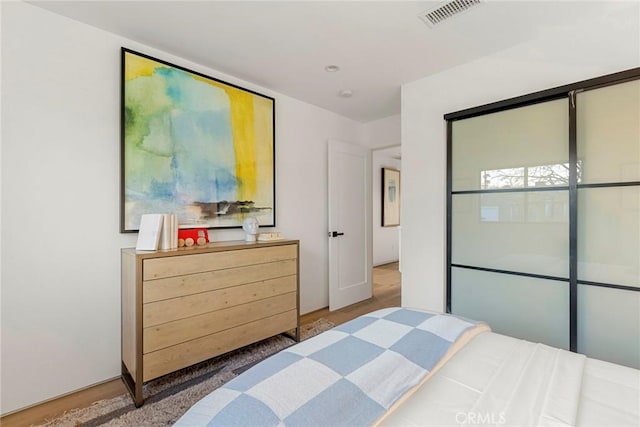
(194, 146)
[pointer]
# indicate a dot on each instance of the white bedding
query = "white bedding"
(610, 395)
(402, 367)
(498, 380)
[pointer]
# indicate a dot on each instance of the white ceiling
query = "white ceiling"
(284, 46)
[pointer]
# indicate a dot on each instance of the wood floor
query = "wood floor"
(386, 293)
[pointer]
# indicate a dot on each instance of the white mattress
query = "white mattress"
(498, 380)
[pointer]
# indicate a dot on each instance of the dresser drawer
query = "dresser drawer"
(172, 287)
(176, 332)
(197, 263)
(159, 312)
(169, 359)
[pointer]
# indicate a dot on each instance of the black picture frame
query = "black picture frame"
(194, 146)
(390, 196)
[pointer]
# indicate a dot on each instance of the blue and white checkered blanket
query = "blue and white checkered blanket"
(347, 376)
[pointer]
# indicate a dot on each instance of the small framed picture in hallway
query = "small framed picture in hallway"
(390, 197)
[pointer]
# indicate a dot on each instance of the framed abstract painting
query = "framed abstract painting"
(193, 146)
(390, 197)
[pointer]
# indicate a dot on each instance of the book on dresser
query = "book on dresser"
(183, 306)
(149, 232)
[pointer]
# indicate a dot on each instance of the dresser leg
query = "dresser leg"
(293, 334)
(134, 388)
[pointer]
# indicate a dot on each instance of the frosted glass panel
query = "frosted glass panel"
(522, 147)
(533, 309)
(524, 232)
(608, 131)
(609, 324)
(609, 235)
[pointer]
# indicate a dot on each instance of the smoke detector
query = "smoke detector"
(439, 14)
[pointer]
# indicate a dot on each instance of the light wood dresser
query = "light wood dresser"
(184, 306)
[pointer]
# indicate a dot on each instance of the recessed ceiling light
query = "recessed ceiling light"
(331, 68)
(345, 93)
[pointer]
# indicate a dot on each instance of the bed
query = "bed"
(403, 367)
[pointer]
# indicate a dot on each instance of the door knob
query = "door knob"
(335, 234)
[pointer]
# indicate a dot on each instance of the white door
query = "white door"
(350, 229)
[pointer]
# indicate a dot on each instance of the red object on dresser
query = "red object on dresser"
(193, 233)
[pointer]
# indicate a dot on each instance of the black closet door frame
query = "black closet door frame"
(562, 92)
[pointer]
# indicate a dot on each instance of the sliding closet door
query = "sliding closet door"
(510, 221)
(608, 144)
(543, 216)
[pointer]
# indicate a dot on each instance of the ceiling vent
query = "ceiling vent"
(439, 14)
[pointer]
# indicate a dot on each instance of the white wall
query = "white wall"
(60, 200)
(562, 55)
(385, 239)
(382, 133)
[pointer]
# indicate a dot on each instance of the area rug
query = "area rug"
(168, 397)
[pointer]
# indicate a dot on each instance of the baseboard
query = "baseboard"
(41, 412)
